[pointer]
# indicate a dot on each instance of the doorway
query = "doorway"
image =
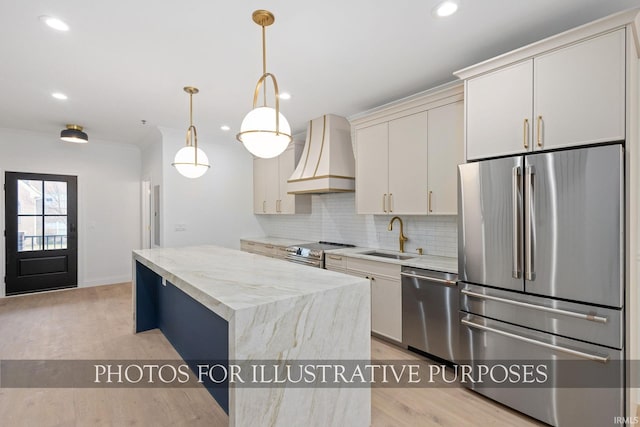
(41, 213)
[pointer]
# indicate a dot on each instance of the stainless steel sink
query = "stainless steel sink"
(387, 255)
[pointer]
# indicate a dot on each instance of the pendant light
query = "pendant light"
(74, 133)
(265, 132)
(191, 161)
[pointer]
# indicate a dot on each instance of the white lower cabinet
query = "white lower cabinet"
(335, 263)
(273, 251)
(386, 295)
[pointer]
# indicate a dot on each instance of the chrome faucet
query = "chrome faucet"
(402, 238)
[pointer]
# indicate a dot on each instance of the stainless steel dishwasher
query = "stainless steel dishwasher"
(430, 312)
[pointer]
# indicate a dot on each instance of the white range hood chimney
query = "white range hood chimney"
(327, 164)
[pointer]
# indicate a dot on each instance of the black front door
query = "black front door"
(41, 240)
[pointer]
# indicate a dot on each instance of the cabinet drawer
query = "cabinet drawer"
(335, 262)
(279, 252)
(246, 246)
(257, 248)
(357, 265)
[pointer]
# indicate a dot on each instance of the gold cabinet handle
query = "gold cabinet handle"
(337, 258)
(525, 134)
(384, 202)
(539, 131)
(430, 194)
(251, 244)
(390, 202)
(264, 206)
(268, 246)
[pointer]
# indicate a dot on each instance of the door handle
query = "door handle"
(515, 188)
(72, 228)
(540, 131)
(593, 357)
(583, 316)
(529, 229)
(430, 279)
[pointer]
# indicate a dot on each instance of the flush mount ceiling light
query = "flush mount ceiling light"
(445, 8)
(60, 96)
(265, 132)
(55, 23)
(285, 95)
(225, 128)
(191, 161)
(74, 133)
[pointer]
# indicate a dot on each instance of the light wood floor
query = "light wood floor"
(96, 323)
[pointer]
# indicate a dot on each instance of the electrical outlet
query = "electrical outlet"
(181, 227)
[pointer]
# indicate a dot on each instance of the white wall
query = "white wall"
(108, 197)
(152, 171)
(216, 208)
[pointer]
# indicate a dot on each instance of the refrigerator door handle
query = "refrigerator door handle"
(516, 270)
(529, 273)
(588, 356)
(583, 316)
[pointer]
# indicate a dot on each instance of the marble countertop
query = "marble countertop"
(276, 241)
(428, 262)
(227, 280)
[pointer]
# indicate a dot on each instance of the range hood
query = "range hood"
(327, 164)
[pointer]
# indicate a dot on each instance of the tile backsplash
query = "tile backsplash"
(334, 219)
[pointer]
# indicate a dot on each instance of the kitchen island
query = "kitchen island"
(225, 306)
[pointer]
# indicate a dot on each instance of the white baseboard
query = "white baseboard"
(105, 281)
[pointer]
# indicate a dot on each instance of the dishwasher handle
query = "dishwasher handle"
(431, 279)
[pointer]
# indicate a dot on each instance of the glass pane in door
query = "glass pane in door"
(29, 197)
(29, 233)
(55, 198)
(55, 232)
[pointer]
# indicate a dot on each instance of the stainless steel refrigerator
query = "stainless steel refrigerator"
(541, 265)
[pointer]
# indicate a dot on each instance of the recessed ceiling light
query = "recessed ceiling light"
(225, 128)
(58, 95)
(285, 95)
(445, 8)
(54, 23)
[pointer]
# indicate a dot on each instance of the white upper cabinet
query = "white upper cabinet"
(372, 169)
(580, 93)
(407, 155)
(286, 166)
(446, 151)
(270, 184)
(569, 96)
(499, 111)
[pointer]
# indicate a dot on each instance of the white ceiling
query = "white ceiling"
(127, 61)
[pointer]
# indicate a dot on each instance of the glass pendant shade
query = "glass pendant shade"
(190, 161)
(258, 133)
(185, 162)
(265, 132)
